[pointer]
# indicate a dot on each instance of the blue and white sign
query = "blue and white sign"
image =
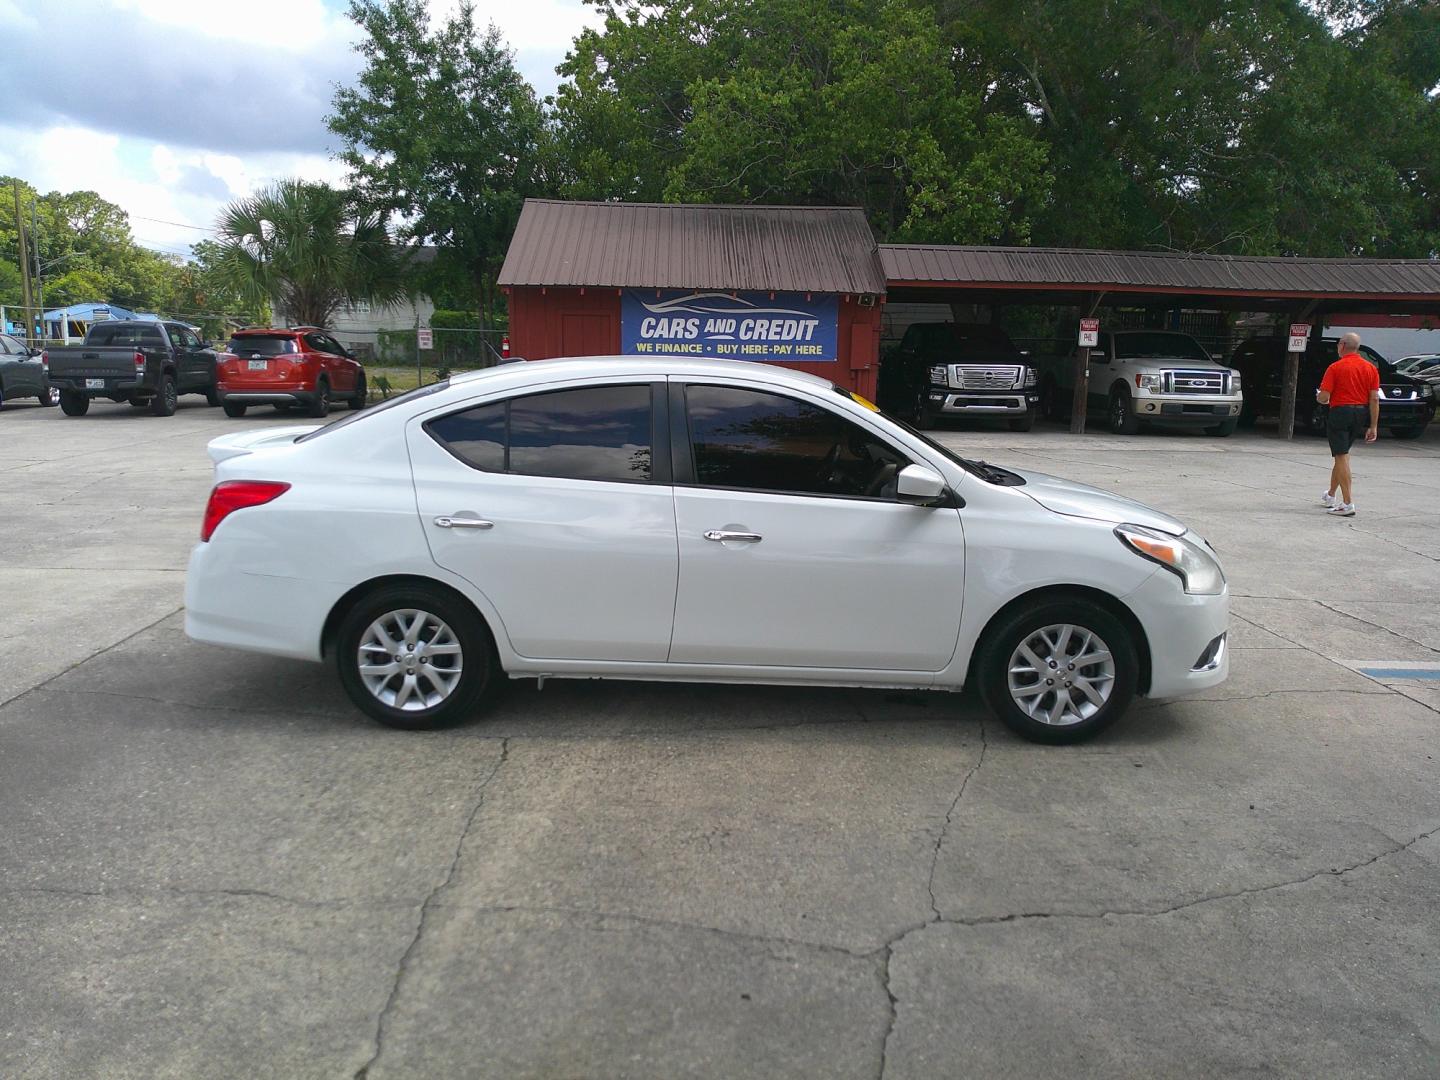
(745, 326)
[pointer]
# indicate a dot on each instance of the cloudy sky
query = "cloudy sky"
(171, 108)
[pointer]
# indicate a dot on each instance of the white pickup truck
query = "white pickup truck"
(1144, 377)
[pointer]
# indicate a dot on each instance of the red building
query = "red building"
(798, 286)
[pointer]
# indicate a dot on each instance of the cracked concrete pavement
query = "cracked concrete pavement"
(211, 866)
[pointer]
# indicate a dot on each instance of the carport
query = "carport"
(1303, 289)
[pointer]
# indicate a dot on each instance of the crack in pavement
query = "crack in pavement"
(92, 656)
(159, 891)
(1395, 848)
(886, 950)
(425, 908)
(1376, 626)
(1395, 543)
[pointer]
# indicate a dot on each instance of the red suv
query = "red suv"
(297, 367)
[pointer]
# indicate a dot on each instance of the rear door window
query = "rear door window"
(586, 433)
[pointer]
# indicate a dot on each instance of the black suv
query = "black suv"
(943, 370)
(1406, 405)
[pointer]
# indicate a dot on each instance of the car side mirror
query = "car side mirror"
(919, 484)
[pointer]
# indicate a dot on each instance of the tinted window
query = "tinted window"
(319, 342)
(593, 433)
(264, 345)
(985, 343)
(1158, 346)
(476, 436)
(767, 442)
(127, 336)
(6, 346)
(99, 335)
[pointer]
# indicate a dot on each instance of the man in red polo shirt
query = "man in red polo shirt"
(1351, 387)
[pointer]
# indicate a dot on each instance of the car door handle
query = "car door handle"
(721, 536)
(463, 523)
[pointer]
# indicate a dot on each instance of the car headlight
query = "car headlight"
(1030, 379)
(1235, 381)
(937, 374)
(1192, 562)
(1427, 391)
(1150, 382)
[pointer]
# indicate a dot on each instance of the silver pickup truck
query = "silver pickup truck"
(1144, 377)
(142, 361)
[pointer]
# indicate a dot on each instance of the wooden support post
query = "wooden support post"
(1082, 392)
(1291, 375)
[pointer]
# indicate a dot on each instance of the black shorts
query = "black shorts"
(1344, 424)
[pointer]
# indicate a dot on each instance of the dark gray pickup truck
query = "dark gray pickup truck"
(141, 361)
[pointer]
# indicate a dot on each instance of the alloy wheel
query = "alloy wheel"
(409, 660)
(1061, 674)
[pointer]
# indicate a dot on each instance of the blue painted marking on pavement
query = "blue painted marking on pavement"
(1400, 672)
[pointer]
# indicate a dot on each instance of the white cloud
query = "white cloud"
(211, 100)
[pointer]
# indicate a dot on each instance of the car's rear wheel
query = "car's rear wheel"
(234, 409)
(49, 396)
(165, 399)
(1058, 671)
(416, 657)
(73, 404)
(212, 397)
(361, 395)
(320, 403)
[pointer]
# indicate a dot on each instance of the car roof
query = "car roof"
(262, 331)
(588, 366)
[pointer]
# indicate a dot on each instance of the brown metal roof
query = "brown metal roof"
(1143, 271)
(658, 245)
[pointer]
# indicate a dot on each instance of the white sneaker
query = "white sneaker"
(1327, 499)
(1342, 510)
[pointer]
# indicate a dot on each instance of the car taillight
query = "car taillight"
(505, 346)
(139, 362)
(234, 495)
(45, 362)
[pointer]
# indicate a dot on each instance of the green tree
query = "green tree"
(304, 248)
(443, 131)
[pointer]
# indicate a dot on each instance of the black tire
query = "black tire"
(73, 404)
(234, 409)
(479, 666)
(1121, 414)
(165, 399)
(1050, 406)
(212, 396)
(1407, 432)
(1023, 423)
(1002, 641)
(320, 403)
(49, 396)
(1223, 429)
(924, 418)
(361, 396)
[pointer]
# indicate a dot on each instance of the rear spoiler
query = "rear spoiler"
(247, 442)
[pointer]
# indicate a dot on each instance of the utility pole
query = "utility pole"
(28, 299)
(39, 290)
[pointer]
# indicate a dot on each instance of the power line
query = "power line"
(177, 224)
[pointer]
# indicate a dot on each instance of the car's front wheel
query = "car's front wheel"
(1408, 432)
(1058, 671)
(416, 657)
(1122, 414)
(73, 404)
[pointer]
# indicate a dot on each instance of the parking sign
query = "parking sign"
(1299, 334)
(1089, 333)
(425, 337)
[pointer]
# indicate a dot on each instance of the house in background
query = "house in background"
(360, 326)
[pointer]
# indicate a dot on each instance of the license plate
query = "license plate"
(94, 384)
(259, 365)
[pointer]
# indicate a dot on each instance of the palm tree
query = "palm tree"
(303, 247)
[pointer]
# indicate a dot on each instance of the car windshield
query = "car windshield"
(262, 345)
(1158, 346)
(985, 343)
(356, 417)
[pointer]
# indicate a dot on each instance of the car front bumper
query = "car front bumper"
(943, 401)
(1182, 632)
(1170, 409)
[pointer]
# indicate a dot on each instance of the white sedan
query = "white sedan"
(707, 521)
